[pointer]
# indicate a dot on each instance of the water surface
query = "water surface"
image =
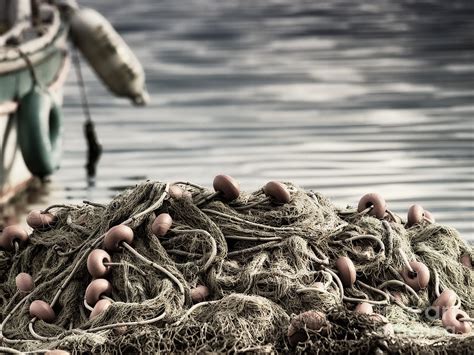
(343, 97)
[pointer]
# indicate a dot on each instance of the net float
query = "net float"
(347, 271)
(161, 224)
(277, 192)
(446, 299)
(42, 310)
(24, 282)
(199, 293)
(415, 215)
(387, 328)
(417, 278)
(374, 200)
(108, 54)
(121, 330)
(41, 221)
(95, 263)
(227, 187)
(100, 307)
(312, 320)
(319, 285)
(96, 289)
(57, 352)
(274, 191)
(364, 308)
(453, 323)
(428, 216)
(12, 235)
(176, 192)
(117, 235)
(466, 261)
(397, 296)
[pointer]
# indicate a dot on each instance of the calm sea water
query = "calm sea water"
(343, 97)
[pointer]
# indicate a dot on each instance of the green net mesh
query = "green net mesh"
(263, 264)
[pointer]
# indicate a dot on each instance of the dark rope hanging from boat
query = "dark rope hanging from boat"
(94, 148)
(30, 66)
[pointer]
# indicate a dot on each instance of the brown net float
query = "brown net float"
(416, 215)
(304, 322)
(416, 275)
(100, 307)
(429, 217)
(12, 237)
(161, 224)
(375, 202)
(24, 282)
(466, 261)
(97, 289)
(364, 308)
(274, 191)
(41, 220)
(319, 285)
(199, 293)
(347, 271)
(225, 186)
(456, 321)
(445, 300)
(42, 310)
(116, 236)
(57, 352)
(176, 192)
(98, 263)
(277, 192)
(232, 276)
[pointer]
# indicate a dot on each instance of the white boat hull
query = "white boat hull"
(14, 175)
(42, 59)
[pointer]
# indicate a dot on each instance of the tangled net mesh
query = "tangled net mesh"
(260, 263)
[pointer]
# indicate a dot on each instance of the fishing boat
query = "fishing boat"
(34, 64)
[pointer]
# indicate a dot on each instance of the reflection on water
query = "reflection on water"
(344, 97)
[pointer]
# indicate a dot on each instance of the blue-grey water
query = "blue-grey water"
(344, 97)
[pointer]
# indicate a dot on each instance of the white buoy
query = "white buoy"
(108, 54)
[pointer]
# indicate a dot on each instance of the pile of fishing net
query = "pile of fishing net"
(180, 268)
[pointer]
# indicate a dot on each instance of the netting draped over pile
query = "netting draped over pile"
(260, 265)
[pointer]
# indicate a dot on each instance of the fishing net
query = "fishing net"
(262, 268)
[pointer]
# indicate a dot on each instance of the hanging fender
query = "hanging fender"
(39, 125)
(108, 54)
